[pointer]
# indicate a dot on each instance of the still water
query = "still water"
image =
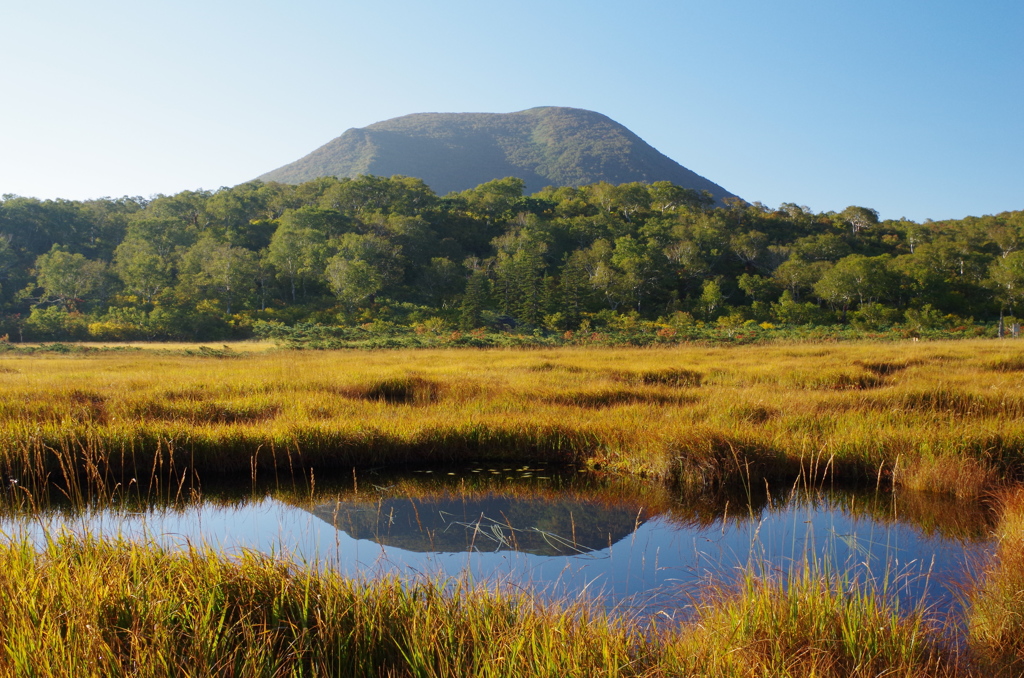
(629, 545)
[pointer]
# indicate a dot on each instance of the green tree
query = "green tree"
(54, 322)
(188, 208)
(798, 277)
(474, 301)
(789, 311)
(214, 270)
(241, 214)
(758, 288)
(630, 200)
(603, 275)
(8, 261)
(67, 279)
(697, 246)
(141, 268)
(167, 236)
(264, 275)
(1007, 277)
(666, 196)
(104, 222)
(368, 193)
(874, 317)
(298, 248)
(749, 247)
(519, 274)
(915, 234)
(639, 267)
(712, 300)
(353, 281)
(574, 289)
(496, 201)
(859, 218)
(821, 247)
(384, 256)
(926, 318)
(1006, 236)
(440, 282)
(855, 278)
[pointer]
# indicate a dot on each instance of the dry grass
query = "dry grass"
(810, 623)
(996, 617)
(929, 416)
(87, 608)
(245, 346)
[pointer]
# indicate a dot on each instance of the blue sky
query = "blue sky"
(912, 107)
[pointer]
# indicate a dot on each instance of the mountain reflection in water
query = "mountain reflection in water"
(486, 523)
(632, 544)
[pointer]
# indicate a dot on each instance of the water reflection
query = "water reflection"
(451, 524)
(630, 544)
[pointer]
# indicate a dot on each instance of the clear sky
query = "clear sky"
(912, 107)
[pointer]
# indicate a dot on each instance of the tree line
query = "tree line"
(202, 265)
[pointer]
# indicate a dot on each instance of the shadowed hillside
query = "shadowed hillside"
(547, 146)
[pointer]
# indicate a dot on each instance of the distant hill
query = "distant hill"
(547, 146)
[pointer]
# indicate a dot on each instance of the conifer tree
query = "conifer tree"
(474, 301)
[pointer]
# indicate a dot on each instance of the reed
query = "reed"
(86, 607)
(996, 618)
(809, 622)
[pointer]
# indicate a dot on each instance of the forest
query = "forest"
(387, 255)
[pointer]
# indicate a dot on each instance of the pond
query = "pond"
(633, 546)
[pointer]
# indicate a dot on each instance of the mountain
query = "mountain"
(543, 527)
(548, 146)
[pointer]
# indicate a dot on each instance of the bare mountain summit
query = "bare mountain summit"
(549, 146)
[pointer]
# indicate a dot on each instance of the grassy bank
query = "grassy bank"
(997, 599)
(946, 417)
(80, 608)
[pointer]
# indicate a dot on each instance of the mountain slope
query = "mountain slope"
(456, 151)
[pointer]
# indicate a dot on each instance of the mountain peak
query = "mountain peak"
(543, 146)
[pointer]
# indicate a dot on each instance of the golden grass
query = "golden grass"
(996, 616)
(88, 608)
(243, 346)
(809, 623)
(944, 417)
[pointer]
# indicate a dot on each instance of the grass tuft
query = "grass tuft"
(996, 613)
(402, 390)
(609, 397)
(88, 607)
(1011, 364)
(883, 368)
(837, 380)
(808, 623)
(673, 376)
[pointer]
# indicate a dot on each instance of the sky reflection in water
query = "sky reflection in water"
(626, 553)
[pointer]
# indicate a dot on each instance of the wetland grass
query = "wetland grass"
(808, 623)
(935, 417)
(947, 418)
(996, 616)
(81, 607)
